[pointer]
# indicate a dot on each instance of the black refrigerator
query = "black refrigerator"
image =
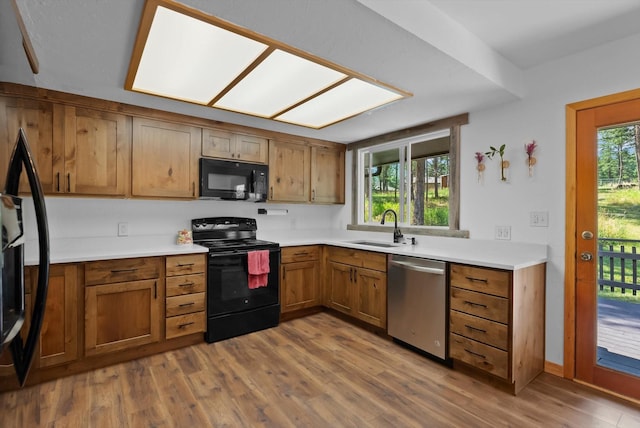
(12, 287)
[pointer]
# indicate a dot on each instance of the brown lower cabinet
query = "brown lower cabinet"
(104, 312)
(59, 334)
(123, 310)
(300, 278)
(186, 295)
(496, 322)
(357, 284)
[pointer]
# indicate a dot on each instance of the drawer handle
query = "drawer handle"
(475, 304)
(123, 270)
(186, 324)
(184, 264)
(304, 253)
(470, 327)
(476, 354)
(184, 305)
(186, 284)
(470, 278)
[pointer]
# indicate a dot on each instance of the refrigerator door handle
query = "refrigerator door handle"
(23, 352)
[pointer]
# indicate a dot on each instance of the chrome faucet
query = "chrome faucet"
(397, 235)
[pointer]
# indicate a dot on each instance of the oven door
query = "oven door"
(228, 283)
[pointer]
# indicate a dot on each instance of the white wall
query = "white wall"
(540, 115)
(83, 217)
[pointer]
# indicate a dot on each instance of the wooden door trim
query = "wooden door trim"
(570, 219)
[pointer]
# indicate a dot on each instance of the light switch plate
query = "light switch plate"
(539, 219)
(123, 229)
(503, 233)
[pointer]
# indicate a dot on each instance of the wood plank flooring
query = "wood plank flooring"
(317, 371)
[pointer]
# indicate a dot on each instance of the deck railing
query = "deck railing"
(618, 264)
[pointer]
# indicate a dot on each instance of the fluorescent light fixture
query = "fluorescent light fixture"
(177, 60)
(279, 82)
(184, 54)
(342, 102)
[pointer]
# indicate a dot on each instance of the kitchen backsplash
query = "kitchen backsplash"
(86, 217)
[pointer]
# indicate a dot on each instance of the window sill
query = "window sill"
(426, 231)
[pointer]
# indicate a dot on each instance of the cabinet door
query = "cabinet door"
(217, 143)
(327, 175)
(340, 287)
(97, 146)
(59, 334)
(165, 159)
(372, 296)
(300, 285)
(36, 118)
(122, 315)
(289, 171)
(252, 149)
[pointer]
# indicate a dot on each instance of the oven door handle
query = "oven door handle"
(238, 252)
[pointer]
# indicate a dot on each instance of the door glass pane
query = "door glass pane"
(618, 289)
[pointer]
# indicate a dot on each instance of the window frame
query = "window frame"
(453, 124)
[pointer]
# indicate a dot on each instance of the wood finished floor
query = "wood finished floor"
(317, 371)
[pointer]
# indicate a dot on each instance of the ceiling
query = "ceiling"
(455, 56)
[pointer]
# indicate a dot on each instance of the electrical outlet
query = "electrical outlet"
(539, 219)
(123, 229)
(503, 233)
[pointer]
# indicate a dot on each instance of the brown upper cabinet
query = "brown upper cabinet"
(302, 172)
(77, 151)
(96, 153)
(165, 159)
(327, 175)
(289, 171)
(90, 147)
(218, 143)
(36, 118)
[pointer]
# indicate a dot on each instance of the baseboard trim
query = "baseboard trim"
(553, 368)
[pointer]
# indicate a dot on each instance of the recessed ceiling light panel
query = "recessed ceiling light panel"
(185, 54)
(342, 102)
(191, 60)
(279, 82)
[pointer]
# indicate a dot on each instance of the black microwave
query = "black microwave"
(229, 180)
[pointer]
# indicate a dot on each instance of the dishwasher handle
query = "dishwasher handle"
(417, 268)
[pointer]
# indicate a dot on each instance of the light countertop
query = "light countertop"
(69, 250)
(488, 253)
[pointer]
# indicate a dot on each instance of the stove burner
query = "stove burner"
(228, 233)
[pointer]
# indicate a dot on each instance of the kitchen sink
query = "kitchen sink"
(375, 244)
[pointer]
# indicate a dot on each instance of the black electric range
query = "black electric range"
(235, 305)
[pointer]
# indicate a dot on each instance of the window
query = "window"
(410, 176)
(414, 171)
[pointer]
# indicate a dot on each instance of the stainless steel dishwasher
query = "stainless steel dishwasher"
(417, 303)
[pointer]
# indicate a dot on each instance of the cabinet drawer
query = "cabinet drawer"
(185, 284)
(487, 358)
(299, 254)
(185, 324)
(121, 270)
(186, 264)
(484, 280)
(479, 304)
(179, 305)
(359, 258)
(480, 329)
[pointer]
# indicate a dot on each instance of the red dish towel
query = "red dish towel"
(258, 264)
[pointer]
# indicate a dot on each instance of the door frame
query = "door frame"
(569, 365)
